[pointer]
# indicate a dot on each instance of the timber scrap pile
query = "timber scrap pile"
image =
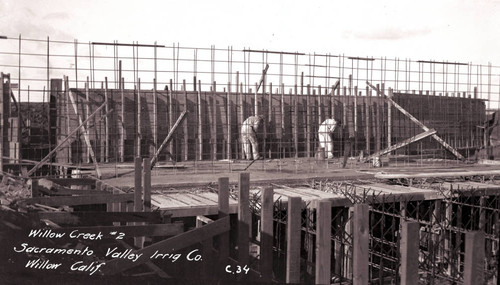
(12, 188)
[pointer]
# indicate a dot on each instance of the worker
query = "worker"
(250, 133)
(325, 134)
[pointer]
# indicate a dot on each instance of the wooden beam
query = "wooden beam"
(79, 200)
(61, 143)
(360, 244)
(474, 258)
(402, 144)
(243, 218)
(86, 135)
(409, 253)
(415, 120)
(170, 245)
(266, 234)
(323, 242)
(223, 211)
(168, 138)
(146, 179)
(293, 235)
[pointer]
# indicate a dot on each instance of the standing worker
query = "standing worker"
(250, 133)
(325, 134)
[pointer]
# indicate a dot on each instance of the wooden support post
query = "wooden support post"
(266, 234)
(138, 136)
(368, 104)
(223, 202)
(171, 116)
(68, 121)
(409, 247)
(323, 242)
(200, 124)
(474, 258)
(213, 130)
(106, 122)
(146, 186)
(228, 122)
(138, 241)
(308, 121)
(296, 122)
(389, 119)
(243, 218)
(378, 122)
(293, 235)
(123, 135)
(155, 117)
(185, 144)
(87, 113)
(360, 244)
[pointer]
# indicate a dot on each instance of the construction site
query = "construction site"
(140, 148)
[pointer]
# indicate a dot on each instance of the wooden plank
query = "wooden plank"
(294, 226)
(266, 234)
(172, 244)
(415, 120)
(323, 242)
(360, 244)
(402, 144)
(474, 258)
(62, 142)
(243, 218)
(409, 248)
(128, 231)
(79, 200)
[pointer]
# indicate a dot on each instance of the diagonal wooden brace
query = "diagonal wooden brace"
(416, 121)
(44, 160)
(402, 144)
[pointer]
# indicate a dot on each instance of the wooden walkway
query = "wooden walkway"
(184, 204)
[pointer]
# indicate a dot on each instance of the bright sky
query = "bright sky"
(464, 31)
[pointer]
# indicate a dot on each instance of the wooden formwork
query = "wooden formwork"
(134, 122)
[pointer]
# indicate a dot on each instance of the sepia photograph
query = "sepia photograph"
(250, 142)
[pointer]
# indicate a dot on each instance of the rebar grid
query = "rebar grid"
(298, 92)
